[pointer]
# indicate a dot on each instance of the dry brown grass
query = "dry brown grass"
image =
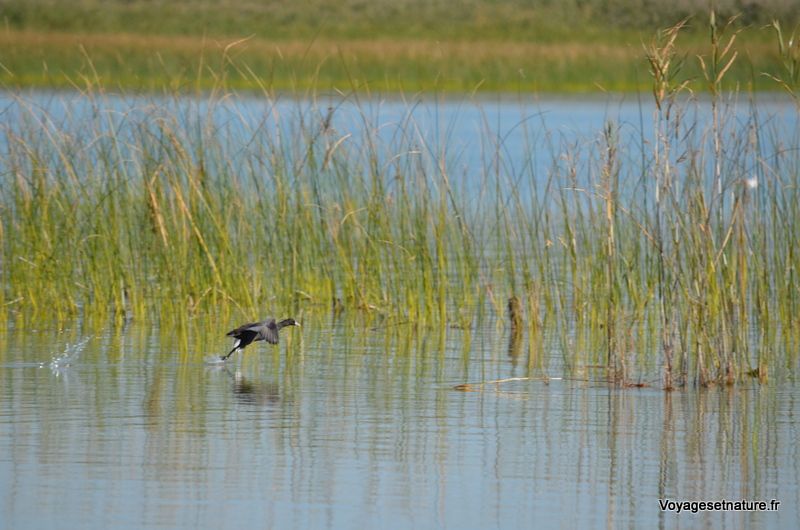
(477, 50)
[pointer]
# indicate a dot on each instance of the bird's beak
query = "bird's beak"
(297, 324)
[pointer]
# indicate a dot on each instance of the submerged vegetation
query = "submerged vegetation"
(673, 246)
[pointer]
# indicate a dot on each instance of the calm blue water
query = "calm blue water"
(519, 142)
(347, 426)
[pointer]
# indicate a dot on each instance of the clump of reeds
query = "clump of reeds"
(678, 249)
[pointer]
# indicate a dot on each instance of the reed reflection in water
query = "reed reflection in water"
(348, 424)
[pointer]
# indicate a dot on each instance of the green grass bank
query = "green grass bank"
(406, 46)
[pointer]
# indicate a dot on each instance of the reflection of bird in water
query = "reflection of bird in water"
(251, 393)
(255, 331)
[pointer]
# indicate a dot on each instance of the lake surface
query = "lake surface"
(525, 139)
(353, 425)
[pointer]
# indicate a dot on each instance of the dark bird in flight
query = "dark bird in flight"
(255, 331)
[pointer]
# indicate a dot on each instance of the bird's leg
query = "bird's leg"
(225, 357)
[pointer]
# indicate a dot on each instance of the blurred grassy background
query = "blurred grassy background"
(405, 45)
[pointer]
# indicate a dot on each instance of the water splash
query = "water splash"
(216, 360)
(70, 354)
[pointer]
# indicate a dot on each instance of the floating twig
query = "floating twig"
(472, 387)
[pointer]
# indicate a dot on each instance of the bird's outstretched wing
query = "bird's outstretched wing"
(251, 326)
(269, 331)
